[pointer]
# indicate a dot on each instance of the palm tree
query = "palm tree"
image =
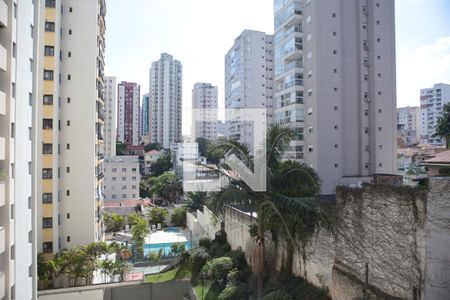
(195, 201)
(139, 231)
(443, 126)
(281, 198)
(167, 186)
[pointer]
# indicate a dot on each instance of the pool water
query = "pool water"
(172, 229)
(167, 248)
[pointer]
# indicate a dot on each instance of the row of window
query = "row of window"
(124, 187)
(114, 170)
(124, 196)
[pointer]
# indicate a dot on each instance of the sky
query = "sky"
(200, 32)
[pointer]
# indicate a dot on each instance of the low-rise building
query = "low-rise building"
(149, 159)
(122, 178)
(406, 137)
(438, 165)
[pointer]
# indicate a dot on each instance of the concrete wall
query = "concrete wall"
(173, 290)
(203, 223)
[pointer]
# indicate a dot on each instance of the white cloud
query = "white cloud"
(423, 67)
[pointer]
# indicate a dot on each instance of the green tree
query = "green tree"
(162, 165)
(178, 217)
(114, 222)
(195, 201)
(133, 219)
(158, 215)
(167, 186)
(138, 232)
(280, 203)
(120, 148)
(442, 130)
(152, 146)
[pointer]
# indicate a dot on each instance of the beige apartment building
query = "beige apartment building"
(204, 105)
(110, 116)
(335, 71)
(71, 115)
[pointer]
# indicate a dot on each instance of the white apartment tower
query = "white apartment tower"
(249, 75)
(110, 116)
(432, 101)
(128, 114)
(18, 58)
(335, 71)
(71, 116)
(409, 117)
(165, 101)
(204, 106)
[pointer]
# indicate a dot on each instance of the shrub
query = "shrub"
(178, 217)
(205, 242)
(217, 269)
(277, 295)
(199, 259)
(238, 258)
(220, 238)
(233, 292)
(233, 277)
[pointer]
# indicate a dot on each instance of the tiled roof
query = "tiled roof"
(443, 157)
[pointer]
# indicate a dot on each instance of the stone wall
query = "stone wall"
(380, 243)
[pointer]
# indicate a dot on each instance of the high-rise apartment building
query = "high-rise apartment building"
(110, 116)
(128, 113)
(335, 72)
(145, 114)
(165, 101)
(18, 59)
(204, 106)
(71, 110)
(432, 101)
(409, 117)
(249, 75)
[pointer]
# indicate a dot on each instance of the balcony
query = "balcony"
(2, 278)
(2, 103)
(2, 148)
(2, 239)
(3, 60)
(2, 192)
(3, 20)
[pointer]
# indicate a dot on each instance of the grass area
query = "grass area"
(182, 272)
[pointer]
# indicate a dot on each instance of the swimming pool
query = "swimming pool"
(166, 248)
(172, 229)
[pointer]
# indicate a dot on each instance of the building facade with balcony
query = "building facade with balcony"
(128, 113)
(409, 117)
(110, 116)
(335, 80)
(18, 60)
(166, 101)
(122, 178)
(432, 101)
(249, 75)
(204, 105)
(71, 117)
(145, 115)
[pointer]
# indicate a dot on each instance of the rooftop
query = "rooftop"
(118, 159)
(440, 158)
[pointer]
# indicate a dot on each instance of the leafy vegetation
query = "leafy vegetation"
(178, 217)
(162, 165)
(157, 215)
(138, 232)
(442, 130)
(166, 186)
(195, 201)
(152, 146)
(120, 148)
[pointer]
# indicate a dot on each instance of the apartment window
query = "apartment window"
(69, 77)
(68, 215)
(69, 54)
(68, 146)
(49, 51)
(124, 196)
(67, 192)
(15, 10)
(47, 148)
(310, 130)
(336, 165)
(334, 33)
(134, 178)
(380, 165)
(29, 203)
(68, 238)
(380, 128)
(48, 99)
(124, 169)
(32, 31)
(334, 51)
(70, 31)
(14, 50)
(68, 169)
(47, 173)
(334, 70)
(13, 130)
(48, 74)
(114, 196)
(68, 100)
(333, 15)
(50, 26)
(308, 19)
(47, 198)
(50, 3)
(310, 149)
(114, 178)
(134, 170)
(133, 187)
(47, 223)
(47, 124)
(68, 122)
(47, 247)
(124, 187)
(335, 89)
(13, 87)
(114, 170)
(310, 92)
(70, 9)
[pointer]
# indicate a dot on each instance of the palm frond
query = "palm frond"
(228, 147)
(278, 139)
(230, 195)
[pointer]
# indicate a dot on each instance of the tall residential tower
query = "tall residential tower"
(204, 97)
(335, 71)
(166, 98)
(71, 115)
(110, 116)
(249, 79)
(431, 102)
(128, 113)
(19, 33)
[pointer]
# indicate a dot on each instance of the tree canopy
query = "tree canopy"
(442, 130)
